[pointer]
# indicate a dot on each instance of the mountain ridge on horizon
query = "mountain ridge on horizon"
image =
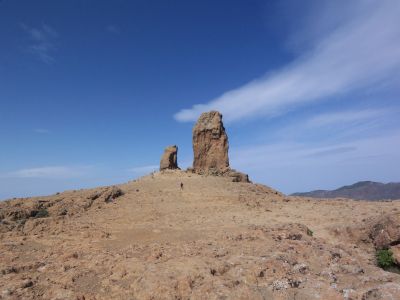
(361, 190)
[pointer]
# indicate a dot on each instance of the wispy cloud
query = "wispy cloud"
(329, 151)
(338, 125)
(49, 172)
(363, 50)
(349, 146)
(42, 41)
(348, 116)
(308, 155)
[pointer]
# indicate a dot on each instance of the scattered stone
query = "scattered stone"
(95, 195)
(169, 160)
(373, 294)
(238, 176)
(112, 193)
(301, 268)
(278, 285)
(294, 283)
(295, 236)
(107, 195)
(26, 283)
(63, 212)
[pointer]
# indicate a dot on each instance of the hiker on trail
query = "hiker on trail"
(181, 185)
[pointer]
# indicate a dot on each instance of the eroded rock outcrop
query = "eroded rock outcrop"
(210, 148)
(396, 254)
(210, 144)
(238, 176)
(169, 160)
(386, 231)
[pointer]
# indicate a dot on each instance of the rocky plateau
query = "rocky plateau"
(203, 233)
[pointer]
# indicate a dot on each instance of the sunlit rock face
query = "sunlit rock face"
(210, 144)
(169, 160)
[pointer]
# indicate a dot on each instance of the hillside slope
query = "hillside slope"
(211, 239)
(363, 190)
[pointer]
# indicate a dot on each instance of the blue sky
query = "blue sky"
(91, 92)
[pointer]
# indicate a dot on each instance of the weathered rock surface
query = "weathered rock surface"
(112, 193)
(210, 143)
(396, 253)
(214, 239)
(210, 148)
(169, 160)
(238, 176)
(386, 231)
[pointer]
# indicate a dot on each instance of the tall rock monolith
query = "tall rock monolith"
(169, 160)
(210, 144)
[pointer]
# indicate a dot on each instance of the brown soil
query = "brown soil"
(213, 239)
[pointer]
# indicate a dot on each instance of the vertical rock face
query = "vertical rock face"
(169, 160)
(210, 144)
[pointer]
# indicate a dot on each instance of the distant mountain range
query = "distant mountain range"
(363, 190)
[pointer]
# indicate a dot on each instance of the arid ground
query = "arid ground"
(210, 239)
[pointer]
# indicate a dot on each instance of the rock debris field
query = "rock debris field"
(211, 239)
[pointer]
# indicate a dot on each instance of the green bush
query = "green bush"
(385, 258)
(310, 232)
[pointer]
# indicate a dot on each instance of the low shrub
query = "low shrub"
(385, 258)
(310, 232)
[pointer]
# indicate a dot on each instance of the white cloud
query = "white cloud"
(292, 167)
(49, 172)
(41, 41)
(336, 126)
(349, 116)
(265, 156)
(364, 50)
(351, 146)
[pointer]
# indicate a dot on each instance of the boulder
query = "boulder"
(169, 160)
(107, 195)
(210, 144)
(396, 254)
(112, 193)
(238, 176)
(385, 231)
